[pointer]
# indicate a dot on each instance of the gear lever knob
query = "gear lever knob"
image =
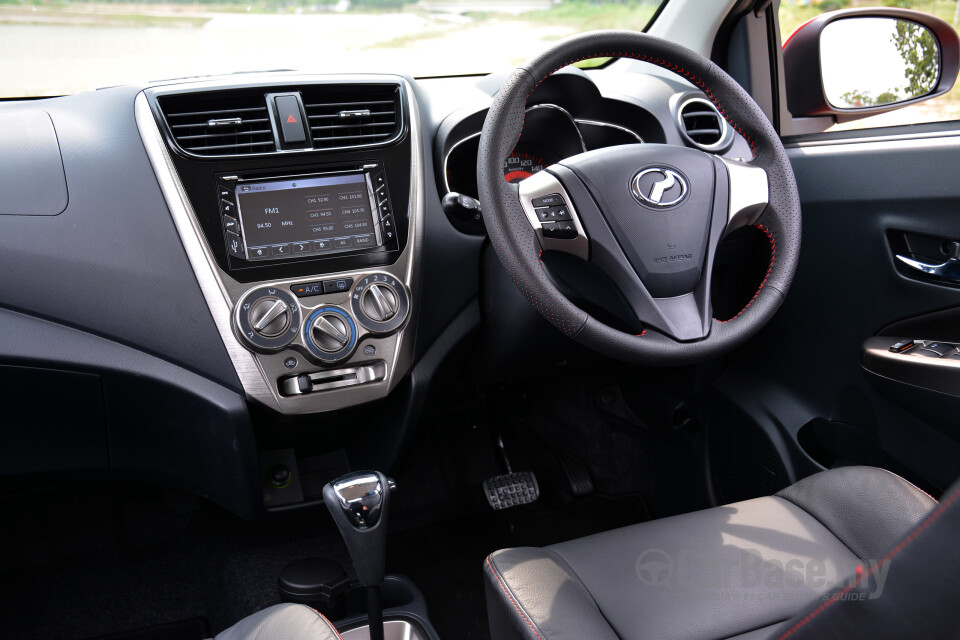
(359, 504)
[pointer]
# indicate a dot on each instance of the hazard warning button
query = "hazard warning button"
(291, 120)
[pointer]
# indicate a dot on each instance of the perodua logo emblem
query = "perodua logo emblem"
(659, 187)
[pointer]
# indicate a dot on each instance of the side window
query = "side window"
(861, 90)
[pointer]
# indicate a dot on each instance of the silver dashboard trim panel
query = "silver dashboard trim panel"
(257, 372)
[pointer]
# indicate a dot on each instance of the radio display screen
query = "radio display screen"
(307, 216)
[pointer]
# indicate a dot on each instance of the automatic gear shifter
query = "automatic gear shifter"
(358, 503)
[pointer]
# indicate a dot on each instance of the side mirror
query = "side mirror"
(856, 63)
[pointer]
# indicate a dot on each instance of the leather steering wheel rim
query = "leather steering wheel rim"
(518, 246)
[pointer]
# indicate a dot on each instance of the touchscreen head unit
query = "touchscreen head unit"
(307, 215)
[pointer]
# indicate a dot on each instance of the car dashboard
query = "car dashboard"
(252, 271)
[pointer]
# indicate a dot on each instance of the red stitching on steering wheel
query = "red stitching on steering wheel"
(773, 256)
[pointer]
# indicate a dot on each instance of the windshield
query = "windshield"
(61, 47)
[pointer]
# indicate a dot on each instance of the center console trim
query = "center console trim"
(221, 291)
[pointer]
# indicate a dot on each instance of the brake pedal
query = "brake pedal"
(511, 489)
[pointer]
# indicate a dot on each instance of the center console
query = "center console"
(299, 203)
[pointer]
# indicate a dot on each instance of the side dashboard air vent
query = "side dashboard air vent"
(219, 124)
(701, 124)
(352, 115)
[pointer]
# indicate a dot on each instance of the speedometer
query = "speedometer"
(519, 166)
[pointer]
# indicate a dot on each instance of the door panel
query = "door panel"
(806, 364)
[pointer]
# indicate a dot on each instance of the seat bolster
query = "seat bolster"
(282, 622)
(533, 595)
(867, 509)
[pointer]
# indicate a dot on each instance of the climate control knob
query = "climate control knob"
(267, 318)
(330, 334)
(380, 302)
(270, 317)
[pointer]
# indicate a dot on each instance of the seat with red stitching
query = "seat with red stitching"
(282, 622)
(518, 248)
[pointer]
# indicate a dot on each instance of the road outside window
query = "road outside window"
(55, 47)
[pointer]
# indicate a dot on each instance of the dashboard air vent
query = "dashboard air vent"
(219, 124)
(702, 124)
(352, 115)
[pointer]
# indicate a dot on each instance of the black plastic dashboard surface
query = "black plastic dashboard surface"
(111, 263)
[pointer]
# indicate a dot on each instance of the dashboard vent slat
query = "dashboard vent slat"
(351, 115)
(221, 123)
(702, 124)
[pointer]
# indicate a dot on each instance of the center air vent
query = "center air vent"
(352, 115)
(701, 124)
(219, 124)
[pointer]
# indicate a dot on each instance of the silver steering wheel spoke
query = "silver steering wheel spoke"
(748, 196)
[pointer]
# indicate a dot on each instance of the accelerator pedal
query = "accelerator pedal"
(578, 477)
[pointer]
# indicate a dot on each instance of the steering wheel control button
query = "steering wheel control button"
(559, 230)
(900, 347)
(330, 334)
(553, 214)
(551, 200)
(337, 285)
(380, 303)
(267, 318)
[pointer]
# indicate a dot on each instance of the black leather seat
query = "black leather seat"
(848, 553)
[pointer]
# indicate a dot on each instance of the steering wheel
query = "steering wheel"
(649, 216)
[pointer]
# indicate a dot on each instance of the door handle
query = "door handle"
(948, 270)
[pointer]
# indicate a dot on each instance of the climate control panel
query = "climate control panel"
(330, 334)
(267, 319)
(321, 323)
(380, 302)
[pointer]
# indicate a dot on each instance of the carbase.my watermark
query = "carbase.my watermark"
(746, 573)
